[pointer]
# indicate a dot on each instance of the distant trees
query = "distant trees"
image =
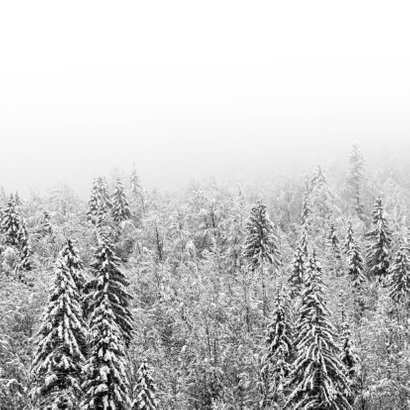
(99, 202)
(355, 181)
(120, 208)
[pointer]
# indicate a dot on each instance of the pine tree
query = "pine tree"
(355, 180)
(23, 246)
(93, 203)
(276, 361)
(261, 247)
(106, 386)
(306, 207)
(334, 241)
(99, 202)
(120, 208)
(59, 356)
(261, 241)
(400, 274)
(144, 390)
(73, 262)
(380, 241)
(297, 275)
(106, 265)
(10, 223)
(318, 379)
(351, 362)
(355, 263)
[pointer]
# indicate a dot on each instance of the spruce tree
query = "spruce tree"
(106, 265)
(144, 390)
(59, 355)
(351, 362)
(261, 240)
(355, 263)
(355, 180)
(23, 246)
(93, 203)
(73, 262)
(261, 247)
(298, 269)
(334, 241)
(276, 361)
(99, 202)
(400, 274)
(106, 386)
(380, 242)
(120, 209)
(10, 223)
(318, 379)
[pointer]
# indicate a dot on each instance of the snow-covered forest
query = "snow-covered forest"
(290, 294)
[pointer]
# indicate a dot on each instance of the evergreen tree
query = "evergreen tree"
(106, 385)
(261, 241)
(99, 202)
(261, 247)
(144, 390)
(306, 207)
(23, 246)
(93, 203)
(59, 356)
(351, 362)
(334, 241)
(380, 241)
(318, 379)
(276, 361)
(73, 262)
(355, 180)
(46, 226)
(296, 277)
(106, 265)
(355, 263)
(120, 208)
(400, 274)
(10, 223)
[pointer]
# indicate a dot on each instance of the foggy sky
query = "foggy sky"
(187, 90)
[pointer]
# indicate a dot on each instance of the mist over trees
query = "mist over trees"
(292, 294)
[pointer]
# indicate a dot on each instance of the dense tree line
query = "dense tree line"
(293, 295)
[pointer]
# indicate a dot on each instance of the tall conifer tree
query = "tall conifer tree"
(59, 356)
(380, 242)
(318, 379)
(106, 386)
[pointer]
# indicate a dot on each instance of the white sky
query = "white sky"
(191, 89)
